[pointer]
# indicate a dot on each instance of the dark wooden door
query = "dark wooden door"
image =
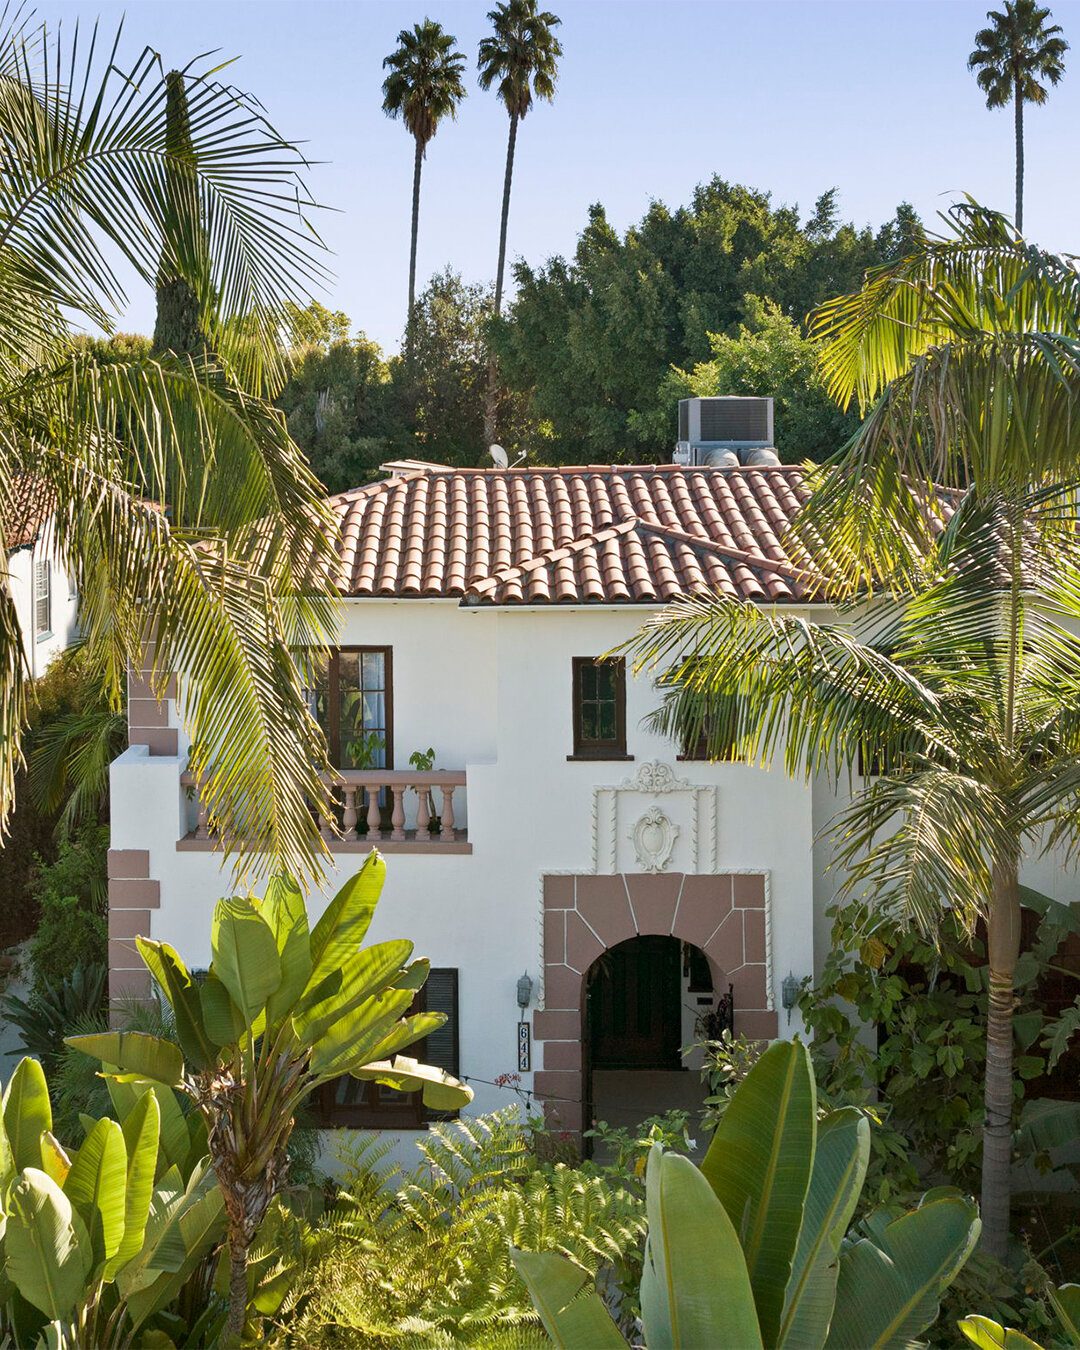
(634, 1006)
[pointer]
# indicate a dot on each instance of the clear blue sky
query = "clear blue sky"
(872, 96)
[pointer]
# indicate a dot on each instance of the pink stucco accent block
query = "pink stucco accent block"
(557, 1026)
(582, 944)
(703, 905)
(756, 1026)
(129, 894)
(560, 1087)
(754, 920)
(559, 892)
(750, 892)
(129, 983)
(562, 987)
(160, 740)
(653, 899)
(147, 712)
(750, 995)
(564, 1117)
(555, 937)
(125, 924)
(602, 901)
(726, 944)
(562, 1055)
(129, 862)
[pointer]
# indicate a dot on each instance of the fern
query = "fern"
(423, 1260)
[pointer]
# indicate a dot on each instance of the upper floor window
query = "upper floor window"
(352, 701)
(599, 708)
(706, 742)
(42, 598)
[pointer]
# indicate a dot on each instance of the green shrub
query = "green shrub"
(72, 893)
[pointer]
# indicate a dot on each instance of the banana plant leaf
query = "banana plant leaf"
(54, 1158)
(284, 910)
(988, 1335)
(840, 1162)
(183, 994)
(1046, 1124)
(245, 955)
(48, 1249)
(27, 1114)
(440, 1091)
(364, 974)
(142, 1133)
(223, 1020)
(346, 919)
(696, 1285)
(353, 1037)
(759, 1164)
(1066, 1301)
(135, 1053)
(167, 1197)
(569, 1307)
(886, 1295)
(405, 1032)
(96, 1188)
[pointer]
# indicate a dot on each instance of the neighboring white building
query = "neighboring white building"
(633, 885)
(44, 594)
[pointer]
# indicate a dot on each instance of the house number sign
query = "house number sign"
(524, 1047)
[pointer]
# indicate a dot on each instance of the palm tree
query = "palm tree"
(423, 87)
(224, 583)
(1011, 57)
(522, 58)
(967, 357)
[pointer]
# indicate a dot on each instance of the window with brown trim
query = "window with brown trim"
(353, 701)
(349, 1103)
(599, 702)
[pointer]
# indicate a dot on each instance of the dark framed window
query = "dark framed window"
(353, 701)
(698, 747)
(599, 701)
(348, 1103)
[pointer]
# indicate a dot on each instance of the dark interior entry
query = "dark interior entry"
(634, 1005)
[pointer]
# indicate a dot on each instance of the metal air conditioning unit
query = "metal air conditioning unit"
(721, 432)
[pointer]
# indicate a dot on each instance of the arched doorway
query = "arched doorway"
(644, 1000)
(725, 916)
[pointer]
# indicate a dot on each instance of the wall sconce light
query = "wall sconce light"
(789, 993)
(524, 991)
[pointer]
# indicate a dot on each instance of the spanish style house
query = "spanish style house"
(533, 825)
(41, 590)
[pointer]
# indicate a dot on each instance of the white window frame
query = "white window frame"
(42, 597)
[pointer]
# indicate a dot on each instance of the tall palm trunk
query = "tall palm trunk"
(493, 370)
(1003, 949)
(505, 210)
(410, 318)
(1018, 118)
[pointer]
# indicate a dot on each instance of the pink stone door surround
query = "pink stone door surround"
(723, 914)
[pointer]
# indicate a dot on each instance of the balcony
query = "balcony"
(400, 811)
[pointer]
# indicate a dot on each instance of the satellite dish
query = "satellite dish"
(499, 456)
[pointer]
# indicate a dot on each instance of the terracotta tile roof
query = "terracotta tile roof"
(25, 512)
(592, 534)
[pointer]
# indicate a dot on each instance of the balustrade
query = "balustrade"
(400, 810)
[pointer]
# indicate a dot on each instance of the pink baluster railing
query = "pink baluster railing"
(404, 807)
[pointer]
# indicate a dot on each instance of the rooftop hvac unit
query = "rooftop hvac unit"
(728, 423)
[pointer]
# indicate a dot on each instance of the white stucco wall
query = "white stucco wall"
(41, 648)
(491, 692)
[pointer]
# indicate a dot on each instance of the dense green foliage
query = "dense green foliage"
(72, 902)
(591, 341)
(427, 1252)
(351, 410)
(770, 355)
(283, 1009)
(753, 1250)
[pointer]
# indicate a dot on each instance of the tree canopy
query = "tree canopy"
(591, 341)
